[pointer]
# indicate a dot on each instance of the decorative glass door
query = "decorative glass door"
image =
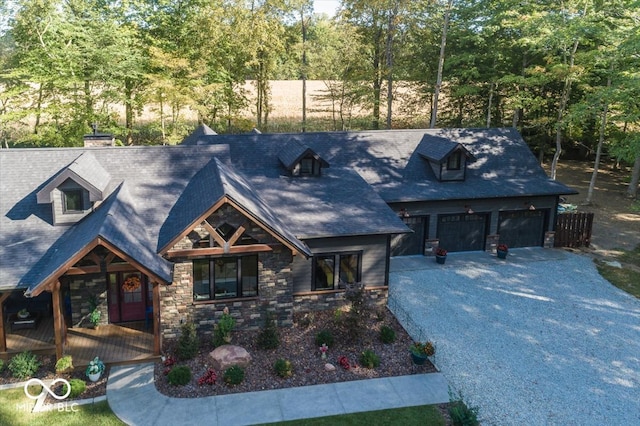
(127, 296)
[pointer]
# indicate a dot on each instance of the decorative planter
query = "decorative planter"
(418, 359)
(94, 377)
(502, 254)
(440, 259)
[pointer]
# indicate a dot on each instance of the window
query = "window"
(324, 270)
(309, 166)
(72, 200)
(349, 268)
(225, 277)
(453, 162)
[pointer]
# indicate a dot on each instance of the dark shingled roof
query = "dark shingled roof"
(154, 179)
(206, 188)
(199, 136)
(293, 151)
(163, 191)
(504, 166)
(437, 149)
(115, 221)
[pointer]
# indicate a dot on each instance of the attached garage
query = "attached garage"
(523, 228)
(463, 232)
(412, 243)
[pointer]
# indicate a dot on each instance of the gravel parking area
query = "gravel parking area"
(538, 339)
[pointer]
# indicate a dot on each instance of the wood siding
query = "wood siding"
(374, 255)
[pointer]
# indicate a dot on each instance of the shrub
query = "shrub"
(188, 342)
(387, 335)
(324, 337)
(369, 359)
(461, 415)
(179, 376)
(234, 375)
(344, 362)
(24, 365)
(222, 330)
(208, 378)
(283, 368)
(63, 364)
(268, 337)
(354, 319)
(77, 388)
(1, 365)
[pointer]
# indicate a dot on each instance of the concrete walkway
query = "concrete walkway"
(133, 397)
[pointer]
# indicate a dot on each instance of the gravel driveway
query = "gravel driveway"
(538, 339)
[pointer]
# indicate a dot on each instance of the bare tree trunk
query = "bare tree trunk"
(38, 109)
(603, 125)
(128, 110)
(489, 107)
(163, 125)
(561, 108)
(304, 71)
(443, 44)
(390, 39)
(632, 189)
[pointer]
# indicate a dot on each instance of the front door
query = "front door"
(128, 296)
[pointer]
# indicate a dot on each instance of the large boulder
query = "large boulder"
(226, 356)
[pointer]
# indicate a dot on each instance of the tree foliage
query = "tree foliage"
(547, 68)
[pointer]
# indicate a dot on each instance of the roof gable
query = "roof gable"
(438, 149)
(114, 223)
(294, 151)
(211, 187)
(87, 172)
(199, 135)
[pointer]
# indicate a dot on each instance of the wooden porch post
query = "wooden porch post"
(157, 338)
(58, 319)
(3, 334)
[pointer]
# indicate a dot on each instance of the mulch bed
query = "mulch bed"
(47, 372)
(297, 345)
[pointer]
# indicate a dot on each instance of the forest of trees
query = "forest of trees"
(566, 73)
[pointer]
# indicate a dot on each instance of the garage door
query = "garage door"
(463, 232)
(408, 244)
(522, 228)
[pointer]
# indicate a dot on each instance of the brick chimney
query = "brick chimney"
(96, 139)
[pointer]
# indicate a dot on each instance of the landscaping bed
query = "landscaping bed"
(297, 345)
(47, 372)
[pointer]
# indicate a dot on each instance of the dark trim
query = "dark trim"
(238, 283)
(336, 268)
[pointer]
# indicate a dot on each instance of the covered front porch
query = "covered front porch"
(113, 343)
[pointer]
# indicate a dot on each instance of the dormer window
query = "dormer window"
(309, 166)
(300, 160)
(453, 161)
(448, 159)
(72, 201)
(76, 189)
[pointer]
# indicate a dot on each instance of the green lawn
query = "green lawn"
(624, 278)
(15, 410)
(424, 415)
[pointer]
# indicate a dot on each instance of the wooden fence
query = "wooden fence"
(573, 229)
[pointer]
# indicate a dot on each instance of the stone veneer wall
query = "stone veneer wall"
(82, 289)
(322, 301)
(275, 286)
